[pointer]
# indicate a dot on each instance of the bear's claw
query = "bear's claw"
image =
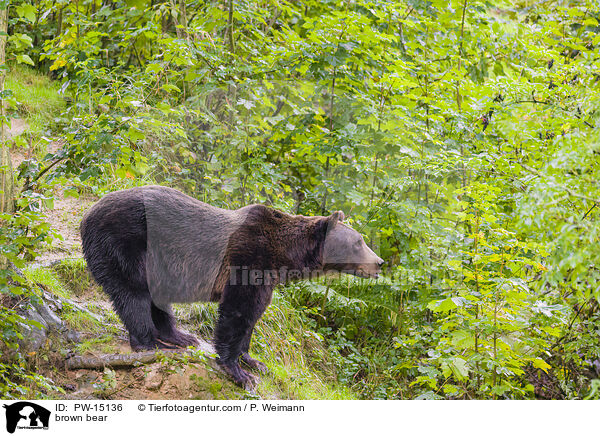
(240, 377)
(254, 364)
(179, 339)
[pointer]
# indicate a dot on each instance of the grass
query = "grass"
(81, 321)
(34, 97)
(300, 366)
(300, 383)
(66, 280)
(48, 280)
(100, 344)
(73, 274)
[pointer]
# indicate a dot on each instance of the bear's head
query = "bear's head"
(345, 250)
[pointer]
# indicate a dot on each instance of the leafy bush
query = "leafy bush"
(461, 138)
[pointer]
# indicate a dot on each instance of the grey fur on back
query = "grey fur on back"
(187, 242)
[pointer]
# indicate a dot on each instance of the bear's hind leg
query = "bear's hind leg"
(164, 322)
(133, 307)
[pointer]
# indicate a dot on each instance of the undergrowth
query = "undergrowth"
(300, 364)
(35, 98)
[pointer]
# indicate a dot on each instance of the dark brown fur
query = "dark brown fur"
(151, 246)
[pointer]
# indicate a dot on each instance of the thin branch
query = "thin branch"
(562, 338)
(119, 360)
(589, 210)
(230, 27)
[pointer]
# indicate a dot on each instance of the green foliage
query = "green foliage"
(107, 384)
(22, 234)
(34, 97)
(17, 382)
(460, 137)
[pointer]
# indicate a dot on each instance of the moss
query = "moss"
(104, 344)
(211, 388)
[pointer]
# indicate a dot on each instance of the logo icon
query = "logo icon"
(26, 415)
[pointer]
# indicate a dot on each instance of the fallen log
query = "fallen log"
(133, 359)
(117, 360)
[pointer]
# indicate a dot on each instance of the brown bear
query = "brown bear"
(152, 246)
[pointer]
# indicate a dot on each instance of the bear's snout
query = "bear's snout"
(370, 270)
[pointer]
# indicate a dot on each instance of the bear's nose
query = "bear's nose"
(380, 261)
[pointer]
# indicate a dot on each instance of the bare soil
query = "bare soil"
(66, 213)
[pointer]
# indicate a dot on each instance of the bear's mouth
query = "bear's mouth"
(354, 269)
(367, 274)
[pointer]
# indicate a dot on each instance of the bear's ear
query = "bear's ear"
(326, 224)
(335, 217)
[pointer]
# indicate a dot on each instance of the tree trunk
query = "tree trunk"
(6, 175)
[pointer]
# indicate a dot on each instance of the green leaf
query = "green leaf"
(463, 339)
(35, 324)
(24, 59)
(21, 41)
(135, 134)
(459, 368)
(26, 11)
(541, 364)
(153, 68)
(446, 305)
(170, 88)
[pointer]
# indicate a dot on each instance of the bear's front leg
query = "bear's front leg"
(240, 377)
(239, 310)
(253, 363)
(229, 335)
(248, 360)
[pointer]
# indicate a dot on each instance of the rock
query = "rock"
(73, 336)
(33, 338)
(154, 378)
(42, 309)
(32, 314)
(53, 322)
(53, 301)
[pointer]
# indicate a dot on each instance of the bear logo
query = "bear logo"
(24, 414)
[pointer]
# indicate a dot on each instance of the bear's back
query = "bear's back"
(185, 239)
(186, 244)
